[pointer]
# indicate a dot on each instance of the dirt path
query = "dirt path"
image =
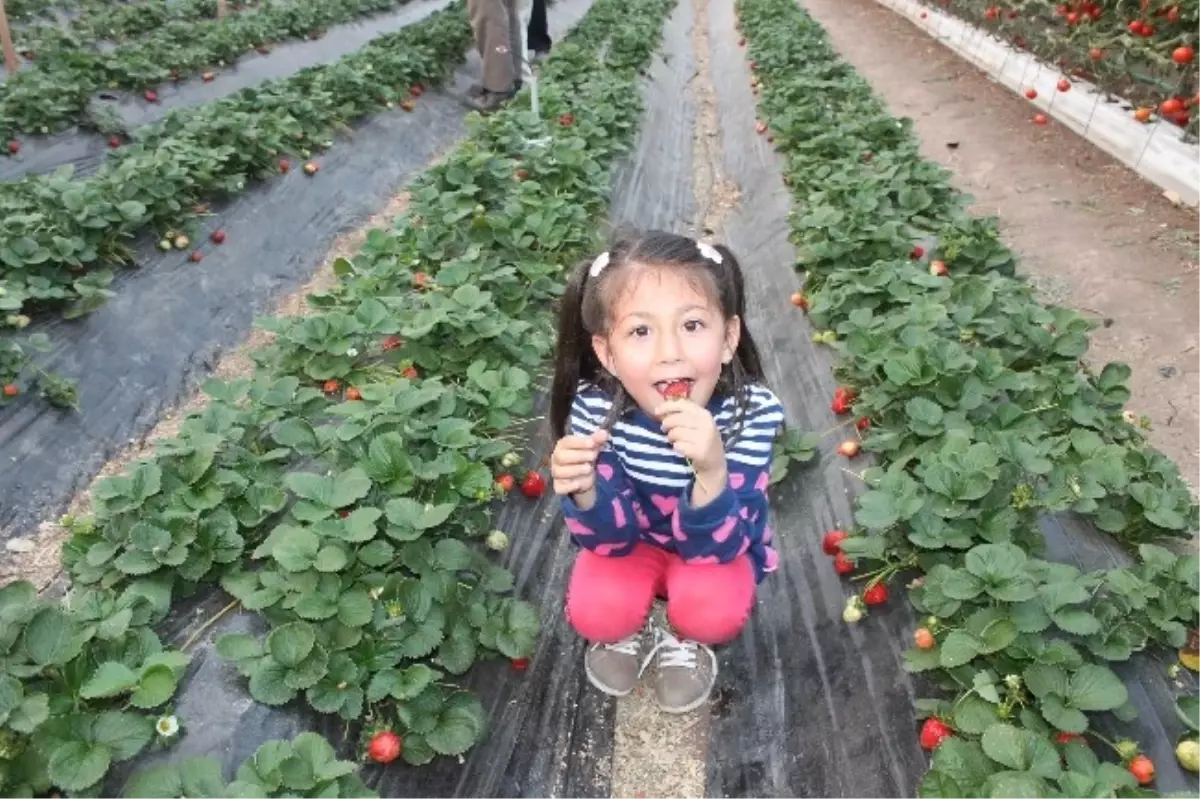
(1091, 233)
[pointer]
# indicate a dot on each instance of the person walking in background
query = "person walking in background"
(538, 33)
(499, 27)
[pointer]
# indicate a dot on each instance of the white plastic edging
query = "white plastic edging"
(1155, 150)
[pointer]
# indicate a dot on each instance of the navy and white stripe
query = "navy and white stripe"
(644, 488)
(646, 453)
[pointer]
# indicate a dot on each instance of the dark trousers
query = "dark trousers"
(538, 33)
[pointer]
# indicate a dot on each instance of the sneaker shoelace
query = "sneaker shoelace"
(630, 646)
(676, 653)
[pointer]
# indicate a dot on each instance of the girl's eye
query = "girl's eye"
(639, 331)
(693, 325)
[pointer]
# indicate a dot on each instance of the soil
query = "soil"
(1092, 234)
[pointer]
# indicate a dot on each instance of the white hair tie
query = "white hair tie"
(599, 264)
(709, 252)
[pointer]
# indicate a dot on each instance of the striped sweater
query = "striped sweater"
(643, 486)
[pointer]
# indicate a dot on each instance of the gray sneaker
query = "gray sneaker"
(685, 672)
(615, 668)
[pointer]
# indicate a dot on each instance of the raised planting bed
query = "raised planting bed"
(1160, 150)
(375, 427)
(166, 177)
(989, 442)
(1140, 51)
(57, 89)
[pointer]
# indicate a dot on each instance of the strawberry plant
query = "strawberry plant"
(303, 766)
(983, 417)
(79, 685)
(1141, 51)
(55, 90)
(360, 527)
(60, 234)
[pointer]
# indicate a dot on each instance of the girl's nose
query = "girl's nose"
(668, 348)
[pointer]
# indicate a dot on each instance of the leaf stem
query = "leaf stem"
(204, 627)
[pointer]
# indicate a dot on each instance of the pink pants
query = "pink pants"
(608, 599)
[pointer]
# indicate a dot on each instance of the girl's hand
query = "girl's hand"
(693, 433)
(573, 466)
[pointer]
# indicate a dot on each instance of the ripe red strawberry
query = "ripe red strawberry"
(938, 268)
(1142, 769)
(353, 393)
(391, 343)
(217, 236)
(933, 732)
(1064, 85)
(923, 638)
(410, 373)
(331, 386)
(505, 482)
(842, 564)
(566, 120)
(284, 165)
(1040, 119)
(384, 747)
(416, 91)
(196, 256)
(534, 485)
(863, 423)
(918, 252)
(1065, 738)
(831, 544)
(839, 406)
(420, 280)
(11, 390)
(521, 174)
(151, 96)
(14, 147)
(520, 664)
(678, 389)
(876, 594)
(114, 142)
(800, 301)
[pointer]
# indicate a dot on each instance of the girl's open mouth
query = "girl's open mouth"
(675, 388)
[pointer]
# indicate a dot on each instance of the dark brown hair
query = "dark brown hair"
(585, 311)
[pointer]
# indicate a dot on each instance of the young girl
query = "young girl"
(665, 432)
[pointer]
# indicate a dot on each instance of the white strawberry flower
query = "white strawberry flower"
(167, 726)
(352, 353)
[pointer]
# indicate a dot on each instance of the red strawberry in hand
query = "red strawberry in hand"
(534, 485)
(384, 747)
(933, 732)
(677, 389)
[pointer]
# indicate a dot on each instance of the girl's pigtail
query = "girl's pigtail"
(573, 356)
(746, 367)
(746, 357)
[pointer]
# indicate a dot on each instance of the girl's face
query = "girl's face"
(664, 329)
